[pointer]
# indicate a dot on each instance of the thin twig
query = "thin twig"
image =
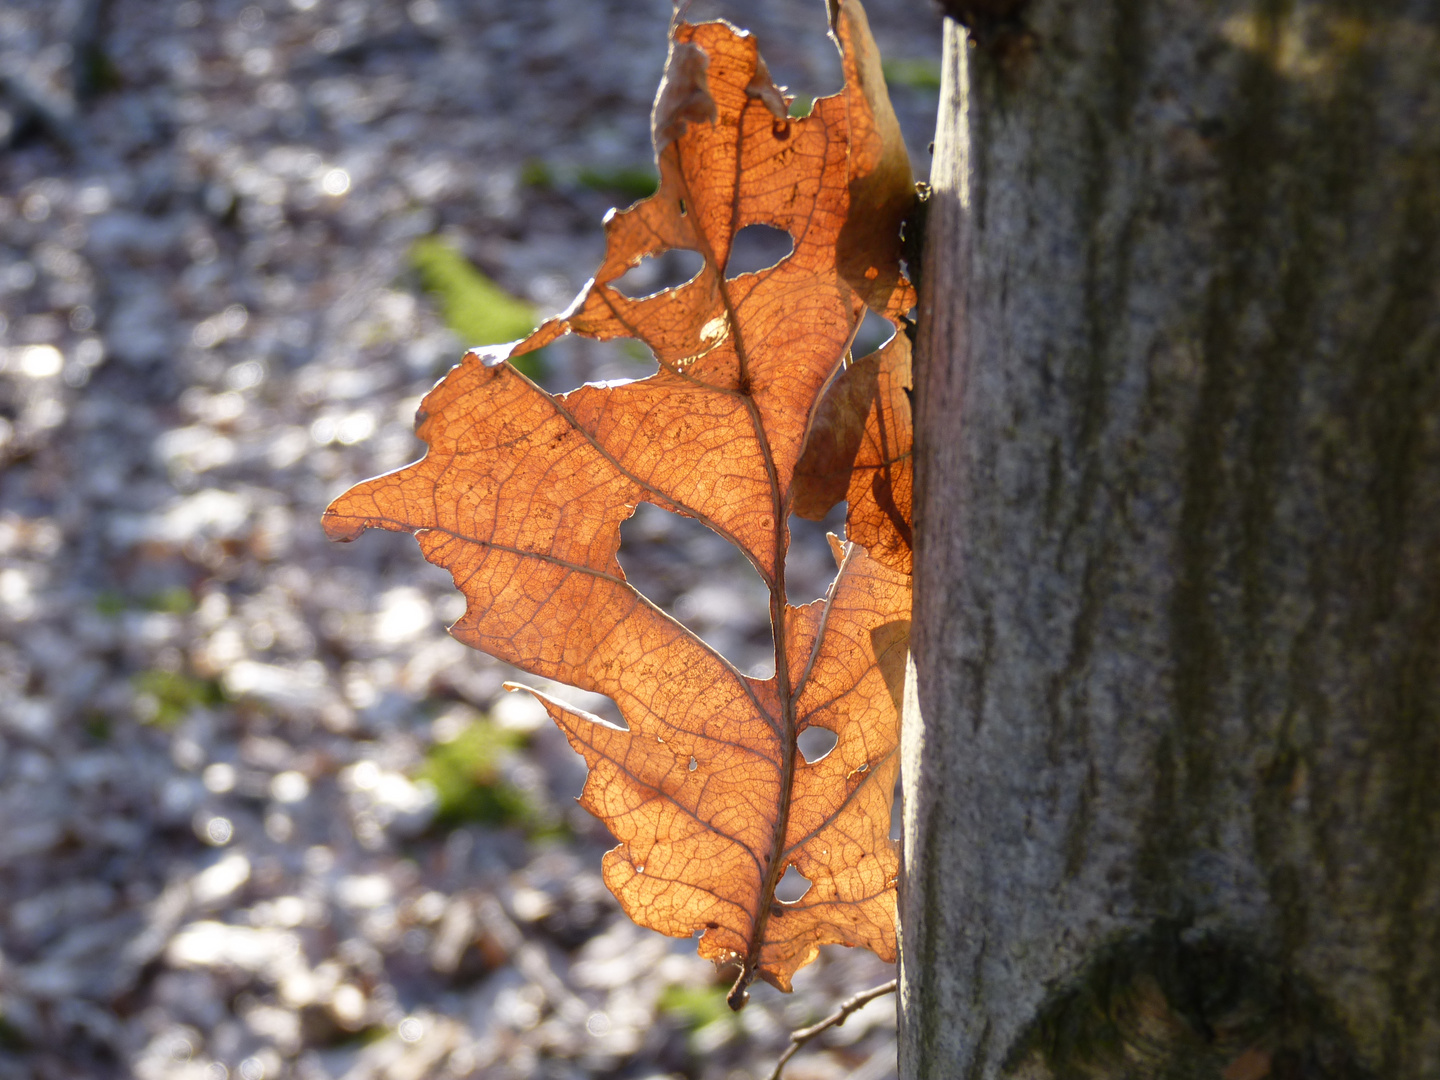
(835, 1019)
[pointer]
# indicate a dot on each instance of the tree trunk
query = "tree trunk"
(1173, 809)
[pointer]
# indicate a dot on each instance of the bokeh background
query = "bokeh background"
(260, 817)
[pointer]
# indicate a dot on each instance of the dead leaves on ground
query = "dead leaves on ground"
(521, 495)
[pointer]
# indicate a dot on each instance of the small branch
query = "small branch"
(835, 1019)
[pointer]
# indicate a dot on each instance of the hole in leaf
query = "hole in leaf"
(585, 361)
(810, 564)
(704, 582)
(874, 332)
(815, 743)
(792, 886)
(693, 763)
(757, 247)
(656, 273)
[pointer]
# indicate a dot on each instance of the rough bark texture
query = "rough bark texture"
(1173, 809)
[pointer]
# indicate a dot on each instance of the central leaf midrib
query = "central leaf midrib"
(778, 602)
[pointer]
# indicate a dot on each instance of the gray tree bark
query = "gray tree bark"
(1172, 781)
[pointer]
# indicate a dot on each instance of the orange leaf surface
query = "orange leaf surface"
(521, 495)
(859, 448)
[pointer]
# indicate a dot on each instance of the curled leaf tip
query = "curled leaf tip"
(684, 95)
(763, 88)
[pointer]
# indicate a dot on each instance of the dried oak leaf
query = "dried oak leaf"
(521, 496)
(858, 448)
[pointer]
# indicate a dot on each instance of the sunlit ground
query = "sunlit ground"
(261, 816)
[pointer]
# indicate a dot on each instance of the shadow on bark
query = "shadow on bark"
(1179, 1003)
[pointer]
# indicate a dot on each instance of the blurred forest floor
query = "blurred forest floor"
(260, 817)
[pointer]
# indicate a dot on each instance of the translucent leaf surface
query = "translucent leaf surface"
(521, 495)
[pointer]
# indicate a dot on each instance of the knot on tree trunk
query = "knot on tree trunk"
(1178, 1003)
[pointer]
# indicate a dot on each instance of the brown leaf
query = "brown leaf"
(822, 475)
(880, 177)
(859, 448)
(684, 96)
(521, 496)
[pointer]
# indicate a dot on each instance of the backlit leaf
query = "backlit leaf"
(521, 495)
(858, 448)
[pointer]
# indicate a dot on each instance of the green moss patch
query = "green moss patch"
(466, 773)
(631, 182)
(913, 74)
(477, 309)
(172, 694)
